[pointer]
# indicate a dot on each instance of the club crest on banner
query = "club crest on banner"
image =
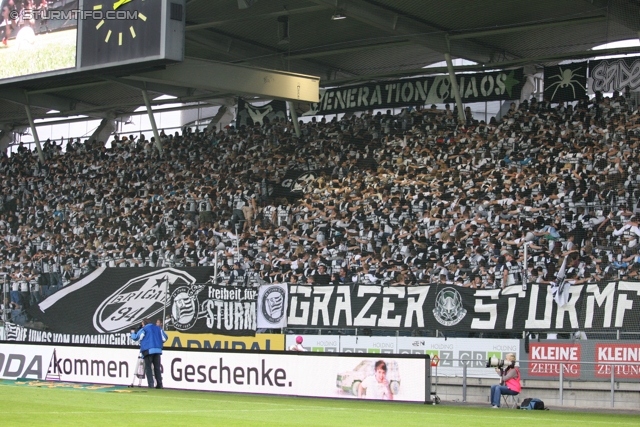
(185, 307)
(141, 297)
(449, 310)
(273, 304)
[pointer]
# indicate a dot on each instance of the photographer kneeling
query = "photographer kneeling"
(509, 379)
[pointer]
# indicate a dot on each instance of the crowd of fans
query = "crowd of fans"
(397, 200)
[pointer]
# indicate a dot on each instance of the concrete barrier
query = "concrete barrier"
(579, 394)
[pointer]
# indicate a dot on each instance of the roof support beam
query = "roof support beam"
(248, 18)
(152, 120)
(350, 49)
(164, 89)
(214, 76)
(243, 52)
(427, 35)
(65, 88)
(34, 132)
(50, 102)
(540, 26)
(489, 66)
(621, 12)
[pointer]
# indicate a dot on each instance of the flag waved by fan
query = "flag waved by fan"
(560, 288)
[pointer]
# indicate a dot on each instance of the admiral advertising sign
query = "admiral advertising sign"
(105, 305)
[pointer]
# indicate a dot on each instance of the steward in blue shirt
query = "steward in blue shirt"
(151, 339)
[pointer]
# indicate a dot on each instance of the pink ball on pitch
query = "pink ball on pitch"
(299, 339)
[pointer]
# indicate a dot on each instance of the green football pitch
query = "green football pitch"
(45, 52)
(41, 404)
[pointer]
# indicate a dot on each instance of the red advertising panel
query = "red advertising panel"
(546, 360)
(623, 358)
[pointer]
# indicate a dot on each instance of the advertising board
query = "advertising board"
(290, 374)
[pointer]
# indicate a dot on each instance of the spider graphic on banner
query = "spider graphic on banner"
(566, 78)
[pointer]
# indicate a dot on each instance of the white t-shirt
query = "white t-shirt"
(374, 389)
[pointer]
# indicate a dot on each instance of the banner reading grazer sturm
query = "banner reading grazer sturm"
(594, 307)
(272, 306)
(476, 87)
(565, 82)
(249, 115)
(115, 300)
(609, 75)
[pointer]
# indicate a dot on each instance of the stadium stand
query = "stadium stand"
(397, 201)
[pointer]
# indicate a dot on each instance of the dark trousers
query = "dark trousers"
(153, 359)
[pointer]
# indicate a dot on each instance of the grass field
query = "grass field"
(39, 405)
(54, 51)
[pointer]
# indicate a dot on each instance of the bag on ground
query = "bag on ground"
(532, 403)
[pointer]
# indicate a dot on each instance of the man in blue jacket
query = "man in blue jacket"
(151, 339)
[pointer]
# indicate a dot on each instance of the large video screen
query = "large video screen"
(38, 36)
(45, 38)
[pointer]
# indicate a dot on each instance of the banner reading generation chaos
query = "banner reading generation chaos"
(593, 307)
(115, 300)
(476, 87)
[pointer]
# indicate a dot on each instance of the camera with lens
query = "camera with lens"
(494, 362)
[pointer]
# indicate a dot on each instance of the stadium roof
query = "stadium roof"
(377, 39)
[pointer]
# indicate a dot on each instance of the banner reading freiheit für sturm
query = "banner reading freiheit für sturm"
(114, 300)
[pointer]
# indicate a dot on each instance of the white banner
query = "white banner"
(24, 361)
(272, 306)
(451, 353)
(291, 374)
(361, 344)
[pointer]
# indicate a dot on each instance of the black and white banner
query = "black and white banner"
(296, 182)
(565, 82)
(248, 114)
(110, 301)
(593, 307)
(272, 306)
(476, 87)
(609, 75)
